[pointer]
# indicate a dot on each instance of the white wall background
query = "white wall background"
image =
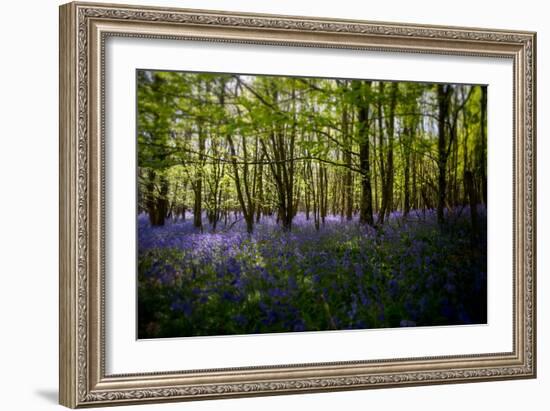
(29, 192)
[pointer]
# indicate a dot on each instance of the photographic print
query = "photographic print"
(287, 204)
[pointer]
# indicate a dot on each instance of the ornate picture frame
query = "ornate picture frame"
(84, 29)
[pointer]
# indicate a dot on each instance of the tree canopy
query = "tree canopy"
(229, 146)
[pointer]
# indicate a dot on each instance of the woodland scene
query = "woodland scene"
(286, 204)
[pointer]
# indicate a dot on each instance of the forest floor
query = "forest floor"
(409, 272)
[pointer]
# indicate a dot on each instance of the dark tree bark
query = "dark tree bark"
(387, 182)
(406, 171)
(414, 184)
(314, 189)
(348, 179)
(150, 200)
(281, 162)
(260, 192)
(483, 138)
(243, 196)
(472, 197)
(156, 199)
(307, 203)
(361, 90)
(197, 184)
(391, 135)
(382, 167)
(242, 181)
(374, 178)
(443, 99)
(465, 157)
(323, 192)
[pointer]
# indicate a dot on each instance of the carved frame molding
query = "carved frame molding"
(83, 30)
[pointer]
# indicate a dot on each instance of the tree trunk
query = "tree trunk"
(406, 173)
(157, 203)
(348, 188)
(387, 182)
(465, 161)
(469, 183)
(259, 205)
(248, 213)
(150, 196)
(362, 89)
(389, 162)
(282, 162)
(197, 185)
(483, 137)
(162, 201)
(443, 98)
(323, 192)
(383, 192)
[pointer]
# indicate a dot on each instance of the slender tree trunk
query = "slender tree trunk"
(197, 186)
(374, 176)
(307, 203)
(157, 202)
(290, 165)
(307, 188)
(348, 187)
(150, 196)
(314, 184)
(443, 98)
(389, 163)
(465, 161)
(282, 164)
(362, 91)
(162, 202)
(151, 200)
(387, 182)
(323, 192)
(469, 183)
(483, 137)
(455, 196)
(406, 173)
(248, 214)
(382, 168)
(415, 204)
(260, 192)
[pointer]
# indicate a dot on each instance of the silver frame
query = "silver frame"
(84, 27)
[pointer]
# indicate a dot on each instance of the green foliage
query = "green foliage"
(286, 131)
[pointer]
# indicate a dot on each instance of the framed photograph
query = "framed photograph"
(259, 204)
